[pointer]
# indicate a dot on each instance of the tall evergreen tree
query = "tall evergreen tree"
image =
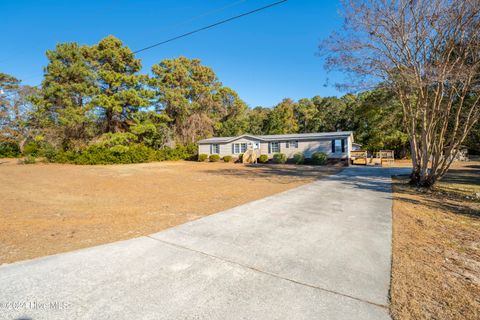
(193, 97)
(121, 88)
(63, 104)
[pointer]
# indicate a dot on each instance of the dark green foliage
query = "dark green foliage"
(202, 157)
(240, 157)
(263, 158)
(95, 106)
(281, 119)
(9, 150)
(32, 149)
(279, 158)
(134, 153)
(192, 96)
(319, 158)
(379, 123)
(298, 158)
(214, 158)
(228, 159)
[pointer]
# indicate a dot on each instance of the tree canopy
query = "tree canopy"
(427, 53)
(95, 101)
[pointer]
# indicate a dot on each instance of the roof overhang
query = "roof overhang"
(266, 138)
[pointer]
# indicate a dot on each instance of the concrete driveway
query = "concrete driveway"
(320, 251)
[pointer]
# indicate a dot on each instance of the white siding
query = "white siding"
(307, 147)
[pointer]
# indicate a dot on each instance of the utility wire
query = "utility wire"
(198, 30)
(164, 28)
(210, 26)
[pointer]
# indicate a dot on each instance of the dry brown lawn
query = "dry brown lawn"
(436, 248)
(51, 208)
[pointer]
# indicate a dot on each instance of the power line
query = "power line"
(198, 30)
(210, 26)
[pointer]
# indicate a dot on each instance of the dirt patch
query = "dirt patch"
(52, 208)
(436, 249)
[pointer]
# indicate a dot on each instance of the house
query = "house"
(337, 145)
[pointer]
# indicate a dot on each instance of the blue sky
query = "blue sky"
(265, 57)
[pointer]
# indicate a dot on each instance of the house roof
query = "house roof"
(279, 137)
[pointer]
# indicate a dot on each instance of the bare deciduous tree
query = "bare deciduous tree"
(428, 53)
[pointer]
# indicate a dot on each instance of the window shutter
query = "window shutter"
(333, 146)
(343, 145)
(211, 148)
(269, 147)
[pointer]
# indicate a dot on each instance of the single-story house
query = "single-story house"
(337, 145)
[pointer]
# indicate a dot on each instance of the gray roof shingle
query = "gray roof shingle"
(276, 137)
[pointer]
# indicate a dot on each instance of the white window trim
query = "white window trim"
(239, 147)
(271, 147)
(291, 144)
(215, 148)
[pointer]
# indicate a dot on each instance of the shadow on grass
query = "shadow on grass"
(463, 176)
(436, 200)
(272, 172)
(367, 178)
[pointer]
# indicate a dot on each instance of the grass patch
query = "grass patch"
(436, 248)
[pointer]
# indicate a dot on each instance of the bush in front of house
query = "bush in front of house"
(279, 158)
(298, 158)
(240, 158)
(319, 158)
(263, 158)
(202, 157)
(228, 159)
(214, 158)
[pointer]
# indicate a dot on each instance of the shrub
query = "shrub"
(279, 158)
(263, 158)
(299, 158)
(32, 148)
(214, 158)
(240, 157)
(27, 160)
(188, 152)
(228, 158)
(202, 157)
(9, 150)
(102, 153)
(319, 158)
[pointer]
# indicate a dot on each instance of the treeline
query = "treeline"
(95, 106)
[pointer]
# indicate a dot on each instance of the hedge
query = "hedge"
(319, 158)
(299, 158)
(263, 158)
(214, 158)
(279, 158)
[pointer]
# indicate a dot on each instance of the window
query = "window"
(291, 144)
(275, 147)
(243, 147)
(338, 146)
(215, 149)
(239, 148)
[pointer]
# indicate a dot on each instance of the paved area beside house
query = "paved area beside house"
(320, 251)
